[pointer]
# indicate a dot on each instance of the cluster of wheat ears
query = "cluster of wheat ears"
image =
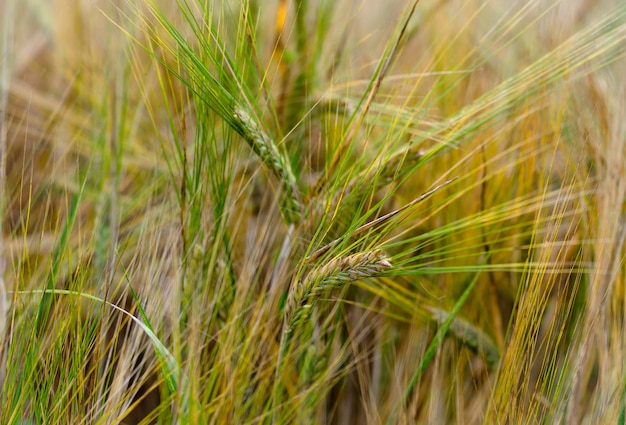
(312, 211)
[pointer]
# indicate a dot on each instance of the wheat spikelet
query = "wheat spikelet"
(273, 159)
(334, 274)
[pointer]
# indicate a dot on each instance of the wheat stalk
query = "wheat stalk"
(334, 274)
(273, 159)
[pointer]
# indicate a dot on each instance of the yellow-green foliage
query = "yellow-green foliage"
(298, 211)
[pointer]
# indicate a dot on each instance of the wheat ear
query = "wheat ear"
(334, 274)
(272, 158)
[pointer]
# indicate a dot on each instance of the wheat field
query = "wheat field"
(312, 212)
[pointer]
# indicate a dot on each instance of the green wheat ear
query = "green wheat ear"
(332, 275)
(275, 160)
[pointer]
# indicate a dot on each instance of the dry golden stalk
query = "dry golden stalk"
(273, 159)
(334, 274)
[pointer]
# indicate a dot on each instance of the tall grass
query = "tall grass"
(313, 212)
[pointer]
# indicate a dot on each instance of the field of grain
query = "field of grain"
(312, 212)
